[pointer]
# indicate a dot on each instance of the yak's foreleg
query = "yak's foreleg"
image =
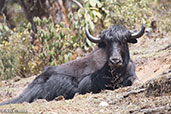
(130, 75)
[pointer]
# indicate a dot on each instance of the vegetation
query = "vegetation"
(55, 43)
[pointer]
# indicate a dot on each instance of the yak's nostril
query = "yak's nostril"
(115, 60)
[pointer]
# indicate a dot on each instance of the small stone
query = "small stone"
(59, 98)
(102, 111)
(103, 103)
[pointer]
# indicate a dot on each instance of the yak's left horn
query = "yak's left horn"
(140, 33)
(90, 37)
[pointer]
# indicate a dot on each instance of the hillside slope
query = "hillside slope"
(150, 95)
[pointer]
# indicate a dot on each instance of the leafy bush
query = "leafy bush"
(56, 44)
(126, 12)
(5, 32)
(162, 13)
(15, 54)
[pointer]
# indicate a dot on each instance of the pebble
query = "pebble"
(103, 103)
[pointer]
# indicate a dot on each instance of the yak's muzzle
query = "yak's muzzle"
(115, 62)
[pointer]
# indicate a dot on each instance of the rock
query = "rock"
(160, 85)
(59, 98)
(104, 104)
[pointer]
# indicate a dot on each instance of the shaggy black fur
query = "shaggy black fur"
(92, 73)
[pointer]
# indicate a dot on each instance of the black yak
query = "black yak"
(107, 67)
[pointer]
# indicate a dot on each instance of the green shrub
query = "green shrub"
(5, 32)
(56, 44)
(15, 54)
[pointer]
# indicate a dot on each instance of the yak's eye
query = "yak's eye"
(102, 44)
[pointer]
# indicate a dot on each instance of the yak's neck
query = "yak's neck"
(114, 71)
(112, 78)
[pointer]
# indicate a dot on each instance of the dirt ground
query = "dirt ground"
(150, 95)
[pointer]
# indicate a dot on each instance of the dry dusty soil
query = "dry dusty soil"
(150, 95)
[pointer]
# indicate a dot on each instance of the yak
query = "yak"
(108, 67)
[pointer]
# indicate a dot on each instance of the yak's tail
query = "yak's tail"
(12, 101)
(31, 93)
(26, 96)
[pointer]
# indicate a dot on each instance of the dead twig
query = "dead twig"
(133, 92)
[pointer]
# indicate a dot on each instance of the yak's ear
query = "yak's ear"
(132, 41)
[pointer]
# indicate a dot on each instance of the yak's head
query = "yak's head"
(115, 41)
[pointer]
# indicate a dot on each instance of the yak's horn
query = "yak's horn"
(135, 35)
(90, 37)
